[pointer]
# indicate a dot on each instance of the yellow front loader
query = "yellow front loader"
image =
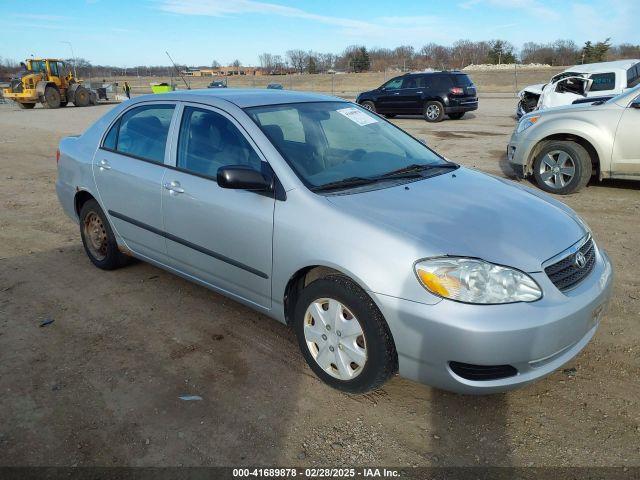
(47, 81)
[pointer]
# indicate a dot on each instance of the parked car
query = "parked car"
(275, 86)
(430, 94)
(582, 83)
(217, 84)
(382, 255)
(563, 147)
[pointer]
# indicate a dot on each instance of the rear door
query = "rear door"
(220, 236)
(128, 169)
(410, 97)
(626, 148)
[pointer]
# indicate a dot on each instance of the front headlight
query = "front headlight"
(470, 280)
(526, 122)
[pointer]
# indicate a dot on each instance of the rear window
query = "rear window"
(461, 80)
(603, 81)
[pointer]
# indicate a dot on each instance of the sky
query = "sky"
(196, 32)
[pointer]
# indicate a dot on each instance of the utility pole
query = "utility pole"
(73, 57)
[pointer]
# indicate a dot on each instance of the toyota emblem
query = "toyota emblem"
(580, 260)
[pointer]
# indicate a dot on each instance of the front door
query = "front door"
(626, 147)
(388, 97)
(220, 236)
(411, 94)
(128, 169)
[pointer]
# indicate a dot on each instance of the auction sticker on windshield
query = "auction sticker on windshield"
(357, 116)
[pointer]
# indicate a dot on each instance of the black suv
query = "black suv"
(431, 95)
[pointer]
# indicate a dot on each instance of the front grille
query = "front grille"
(482, 372)
(566, 274)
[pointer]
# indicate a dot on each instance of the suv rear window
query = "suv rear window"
(461, 80)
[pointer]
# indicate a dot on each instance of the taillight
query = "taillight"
(57, 156)
(457, 90)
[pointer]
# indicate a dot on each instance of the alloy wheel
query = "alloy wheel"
(557, 169)
(432, 112)
(335, 338)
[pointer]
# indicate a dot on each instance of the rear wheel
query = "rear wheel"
(81, 97)
(26, 106)
(343, 336)
(97, 237)
(456, 116)
(369, 106)
(433, 111)
(51, 98)
(562, 167)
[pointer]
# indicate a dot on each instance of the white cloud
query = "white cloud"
(405, 27)
(531, 7)
(39, 16)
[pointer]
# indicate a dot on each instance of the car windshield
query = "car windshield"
(339, 143)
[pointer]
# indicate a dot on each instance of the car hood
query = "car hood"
(469, 213)
(537, 88)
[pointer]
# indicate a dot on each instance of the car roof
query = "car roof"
(602, 66)
(243, 98)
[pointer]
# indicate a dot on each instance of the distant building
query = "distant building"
(221, 71)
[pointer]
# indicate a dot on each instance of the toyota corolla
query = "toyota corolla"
(383, 256)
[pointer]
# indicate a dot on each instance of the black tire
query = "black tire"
(63, 104)
(433, 111)
(51, 98)
(369, 106)
(26, 106)
(456, 116)
(553, 155)
(110, 257)
(81, 97)
(390, 115)
(382, 358)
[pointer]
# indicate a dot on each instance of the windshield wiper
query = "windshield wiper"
(413, 170)
(344, 183)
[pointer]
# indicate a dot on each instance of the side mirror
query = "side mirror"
(635, 103)
(240, 177)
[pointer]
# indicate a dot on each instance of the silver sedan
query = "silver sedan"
(381, 254)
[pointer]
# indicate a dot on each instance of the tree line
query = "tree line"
(359, 58)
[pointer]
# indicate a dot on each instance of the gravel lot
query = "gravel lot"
(100, 385)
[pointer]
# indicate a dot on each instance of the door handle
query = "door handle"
(396, 93)
(419, 91)
(174, 187)
(104, 165)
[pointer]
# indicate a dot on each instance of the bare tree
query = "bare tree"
(297, 59)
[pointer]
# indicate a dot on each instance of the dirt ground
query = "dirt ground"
(100, 385)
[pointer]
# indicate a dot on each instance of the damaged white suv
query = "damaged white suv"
(580, 84)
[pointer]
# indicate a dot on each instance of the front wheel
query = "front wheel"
(562, 167)
(343, 336)
(81, 97)
(369, 106)
(433, 111)
(97, 238)
(51, 98)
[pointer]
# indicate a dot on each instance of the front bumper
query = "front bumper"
(536, 338)
(518, 153)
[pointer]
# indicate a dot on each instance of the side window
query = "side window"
(142, 132)
(439, 83)
(394, 84)
(603, 82)
(209, 141)
(413, 82)
(111, 140)
(53, 66)
(633, 76)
